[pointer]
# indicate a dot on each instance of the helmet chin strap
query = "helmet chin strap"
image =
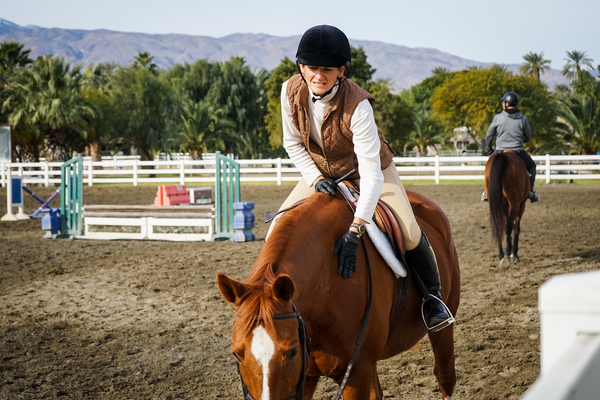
(316, 97)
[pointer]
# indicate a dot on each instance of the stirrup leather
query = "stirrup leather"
(442, 324)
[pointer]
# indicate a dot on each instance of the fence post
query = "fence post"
(91, 173)
(135, 172)
(182, 171)
(3, 176)
(278, 171)
(46, 174)
(437, 170)
(547, 168)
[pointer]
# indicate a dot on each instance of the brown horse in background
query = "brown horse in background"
(296, 269)
(507, 186)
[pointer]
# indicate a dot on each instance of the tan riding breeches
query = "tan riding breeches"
(392, 193)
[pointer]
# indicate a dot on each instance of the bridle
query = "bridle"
(305, 340)
(304, 347)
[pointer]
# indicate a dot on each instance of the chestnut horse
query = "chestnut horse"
(507, 186)
(296, 269)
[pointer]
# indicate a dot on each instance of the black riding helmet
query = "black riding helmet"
(324, 46)
(511, 98)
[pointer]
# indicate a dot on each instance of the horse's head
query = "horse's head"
(269, 338)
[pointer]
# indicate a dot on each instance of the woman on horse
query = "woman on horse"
(511, 129)
(329, 130)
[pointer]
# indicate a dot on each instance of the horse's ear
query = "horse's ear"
(283, 287)
(230, 288)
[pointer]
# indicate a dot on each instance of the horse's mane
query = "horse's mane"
(257, 303)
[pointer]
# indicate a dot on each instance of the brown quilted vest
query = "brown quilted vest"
(337, 156)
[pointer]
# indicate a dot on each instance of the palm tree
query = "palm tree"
(144, 60)
(98, 76)
(13, 56)
(582, 123)
(206, 129)
(440, 71)
(534, 64)
(575, 61)
(426, 132)
(46, 95)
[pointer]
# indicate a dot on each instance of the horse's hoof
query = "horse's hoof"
(515, 259)
(507, 259)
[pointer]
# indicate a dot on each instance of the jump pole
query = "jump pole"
(71, 199)
(14, 198)
(227, 173)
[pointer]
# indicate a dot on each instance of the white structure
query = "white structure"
(461, 139)
(570, 336)
(14, 198)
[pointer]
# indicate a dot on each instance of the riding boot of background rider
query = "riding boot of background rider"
(532, 194)
(422, 259)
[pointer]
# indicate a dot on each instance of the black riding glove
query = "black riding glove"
(346, 246)
(327, 186)
(490, 151)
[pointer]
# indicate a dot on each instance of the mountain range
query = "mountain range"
(404, 66)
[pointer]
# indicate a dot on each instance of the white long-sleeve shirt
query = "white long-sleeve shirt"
(364, 137)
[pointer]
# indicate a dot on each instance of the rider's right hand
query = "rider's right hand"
(327, 186)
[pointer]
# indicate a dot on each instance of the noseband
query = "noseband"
(305, 347)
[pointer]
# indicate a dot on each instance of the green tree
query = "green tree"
(284, 71)
(12, 58)
(145, 60)
(440, 71)
(471, 99)
(205, 129)
(47, 95)
(147, 111)
(534, 64)
(576, 60)
(193, 82)
(359, 71)
(238, 91)
(425, 133)
(582, 123)
(394, 117)
(98, 76)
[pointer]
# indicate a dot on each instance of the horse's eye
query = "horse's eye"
(292, 354)
(237, 357)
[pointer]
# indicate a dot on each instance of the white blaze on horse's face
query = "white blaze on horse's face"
(263, 348)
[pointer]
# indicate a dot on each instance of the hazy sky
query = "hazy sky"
(480, 30)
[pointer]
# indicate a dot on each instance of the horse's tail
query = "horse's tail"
(496, 196)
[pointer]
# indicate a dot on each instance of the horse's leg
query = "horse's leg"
(516, 233)
(509, 230)
(310, 386)
(363, 383)
(442, 343)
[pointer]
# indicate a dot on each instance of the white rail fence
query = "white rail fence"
(132, 171)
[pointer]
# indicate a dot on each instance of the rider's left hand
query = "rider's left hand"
(346, 246)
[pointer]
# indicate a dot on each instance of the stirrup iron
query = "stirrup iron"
(442, 324)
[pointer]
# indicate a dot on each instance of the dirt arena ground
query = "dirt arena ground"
(90, 319)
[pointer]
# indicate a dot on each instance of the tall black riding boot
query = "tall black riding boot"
(532, 194)
(422, 259)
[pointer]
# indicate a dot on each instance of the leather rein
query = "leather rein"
(305, 341)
